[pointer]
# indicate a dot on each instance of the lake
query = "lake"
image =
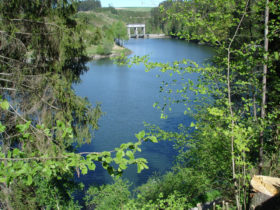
(127, 96)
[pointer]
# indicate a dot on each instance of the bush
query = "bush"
(105, 48)
(182, 182)
(108, 196)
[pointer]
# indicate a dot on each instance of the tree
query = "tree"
(120, 31)
(89, 5)
(42, 54)
(230, 94)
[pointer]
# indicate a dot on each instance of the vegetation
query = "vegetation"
(235, 133)
(136, 9)
(102, 33)
(42, 119)
(89, 5)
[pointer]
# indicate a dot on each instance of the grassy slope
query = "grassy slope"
(136, 9)
(99, 19)
(106, 17)
(116, 51)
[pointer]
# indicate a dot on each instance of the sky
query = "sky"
(130, 3)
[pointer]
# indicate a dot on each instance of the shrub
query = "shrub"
(108, 196)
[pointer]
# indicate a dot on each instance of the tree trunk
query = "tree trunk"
(263, 106)
(234, 176)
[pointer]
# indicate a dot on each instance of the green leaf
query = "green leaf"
(3, 179)
(140, 135)
(29, 180)
(192, 125)
(16, 152)
(276, 55)
(123, 166)
(91, 167)
(2, 128)
(155, 104)
(130, 154)
(84, 170)
(120, 154)
(153, 139)
(4, 105)
(139, 168)
(23, 127)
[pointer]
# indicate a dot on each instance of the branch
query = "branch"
(4, 32)
(239, 25)
(49, 158)
(7, 58)
(31, 158)
(29, 34)
(33, 21)
(6, 80)
(230, 107)
(6, 74)
(19, 115)
(11, 89)
(52, 106)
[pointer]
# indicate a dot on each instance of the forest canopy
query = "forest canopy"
(88, 5)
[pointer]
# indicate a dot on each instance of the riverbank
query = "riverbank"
(116, 51)
(157, 36)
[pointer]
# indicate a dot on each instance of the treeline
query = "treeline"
(42, 120)
(89, 5)
(159, 20)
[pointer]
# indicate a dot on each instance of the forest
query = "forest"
(234, 136)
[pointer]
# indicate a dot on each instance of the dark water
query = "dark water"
(127, 96)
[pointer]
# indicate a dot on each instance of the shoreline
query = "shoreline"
(157, 36)
(119, 51)
(116, 51)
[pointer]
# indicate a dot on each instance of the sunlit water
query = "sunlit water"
(127, 96)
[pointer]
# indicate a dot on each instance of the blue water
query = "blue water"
(127, 96)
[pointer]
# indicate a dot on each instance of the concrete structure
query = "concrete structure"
(139, 30)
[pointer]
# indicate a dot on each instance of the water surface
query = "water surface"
(127, 96)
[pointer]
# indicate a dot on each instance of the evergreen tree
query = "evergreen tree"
(41, 55)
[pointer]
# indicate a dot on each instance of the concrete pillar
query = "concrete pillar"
(128, 32)
(136, 32)
(144, 32)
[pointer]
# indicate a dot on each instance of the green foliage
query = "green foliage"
(97, 37)
(227, 106)
(120, 31)
(89, 5)
(42, 54)
(179, 189)
(174, 201)
(113, 196)
(182, 183)
(105, 48)
(49, 194)
(101, 33)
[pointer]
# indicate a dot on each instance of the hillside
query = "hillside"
(136, 9)
(101, 30)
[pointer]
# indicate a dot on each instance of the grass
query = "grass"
(136, 9)
(121, 50)
(91, 50)
(117, 50)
